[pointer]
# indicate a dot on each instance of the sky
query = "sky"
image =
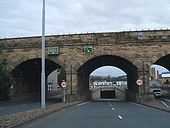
(108, 70)
(23, 17)
(115, 72)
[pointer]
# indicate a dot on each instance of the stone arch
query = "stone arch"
(108, 60)
(26, 77)
(164, 61)
(20, 59)
(84, 59)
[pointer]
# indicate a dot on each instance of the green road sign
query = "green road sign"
(88, 49)
(52, 50)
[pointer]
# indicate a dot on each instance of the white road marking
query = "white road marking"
(82, 104)
(113, 109)
(164, 104)
(167, 100)
(1, 108)
(120, 117)
(110, 104)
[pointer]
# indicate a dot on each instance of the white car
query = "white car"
(157, 93)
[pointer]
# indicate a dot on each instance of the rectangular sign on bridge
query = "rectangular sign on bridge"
(53, 51)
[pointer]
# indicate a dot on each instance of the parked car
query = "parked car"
(157, 93)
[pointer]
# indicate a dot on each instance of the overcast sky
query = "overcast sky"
(114, 71)
(23, 17)
(108, 70)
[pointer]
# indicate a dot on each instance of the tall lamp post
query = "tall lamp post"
(43, 58)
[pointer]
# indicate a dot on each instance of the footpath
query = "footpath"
(9, 121)
(158, 104)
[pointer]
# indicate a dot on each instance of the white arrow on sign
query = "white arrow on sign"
(139, 82)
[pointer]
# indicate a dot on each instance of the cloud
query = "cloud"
(23, 17)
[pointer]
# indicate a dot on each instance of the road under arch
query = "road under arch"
(108, 60)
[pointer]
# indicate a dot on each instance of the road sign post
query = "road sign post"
(64, 99)
(64, 85)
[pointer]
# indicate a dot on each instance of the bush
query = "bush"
(61, 76)
(4, 83)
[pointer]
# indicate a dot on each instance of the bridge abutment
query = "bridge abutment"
(144, 75)
(72, 80)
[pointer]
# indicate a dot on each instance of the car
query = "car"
(157, 93)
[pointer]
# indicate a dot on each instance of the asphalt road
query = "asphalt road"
(104, 115)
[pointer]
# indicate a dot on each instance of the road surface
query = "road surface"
(104, 115)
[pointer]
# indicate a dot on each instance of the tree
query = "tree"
(4, 79)
(61, 75)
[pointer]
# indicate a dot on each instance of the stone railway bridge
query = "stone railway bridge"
(131, 51)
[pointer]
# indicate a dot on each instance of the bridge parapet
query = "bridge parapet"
(90, 38)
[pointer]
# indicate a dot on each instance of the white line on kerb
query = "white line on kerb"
(82, 103)
(120, 117)
(165, 104)
(167, 100)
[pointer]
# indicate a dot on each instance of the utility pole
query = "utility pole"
(43, 58)
(71, 79)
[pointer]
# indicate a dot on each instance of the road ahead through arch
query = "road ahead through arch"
(104, 115)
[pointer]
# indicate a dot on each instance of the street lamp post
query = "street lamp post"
(143, 73)
(43, 58)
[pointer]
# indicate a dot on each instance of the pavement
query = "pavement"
(7, 108)
(161, 104)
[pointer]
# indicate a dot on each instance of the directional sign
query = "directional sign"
(53, 51)
(139, 82)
